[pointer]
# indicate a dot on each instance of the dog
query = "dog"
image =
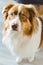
(23, 30)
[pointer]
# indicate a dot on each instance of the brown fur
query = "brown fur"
(40, 9)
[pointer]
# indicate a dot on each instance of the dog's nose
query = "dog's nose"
(14, 27)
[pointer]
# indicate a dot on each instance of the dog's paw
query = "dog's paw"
(31, 59)
(18, 60)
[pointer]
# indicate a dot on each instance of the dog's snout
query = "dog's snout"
(14, 27)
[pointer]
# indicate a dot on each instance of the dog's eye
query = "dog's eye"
(23, 16)
(11, 14)
(15, 12)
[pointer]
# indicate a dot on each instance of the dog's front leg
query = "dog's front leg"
(19, 60)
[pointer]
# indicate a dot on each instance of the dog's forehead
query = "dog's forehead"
(17, 8)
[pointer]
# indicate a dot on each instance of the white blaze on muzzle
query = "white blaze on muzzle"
(15, 21)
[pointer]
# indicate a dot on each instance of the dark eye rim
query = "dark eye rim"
(15, 12)
(12, 14)
(25, 16)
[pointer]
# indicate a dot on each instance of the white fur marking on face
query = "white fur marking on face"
(19, 9)
(15, 21)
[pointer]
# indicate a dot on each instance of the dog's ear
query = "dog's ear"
(32, 11)
(6, 9)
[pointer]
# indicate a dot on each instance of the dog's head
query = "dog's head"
(20, 18)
